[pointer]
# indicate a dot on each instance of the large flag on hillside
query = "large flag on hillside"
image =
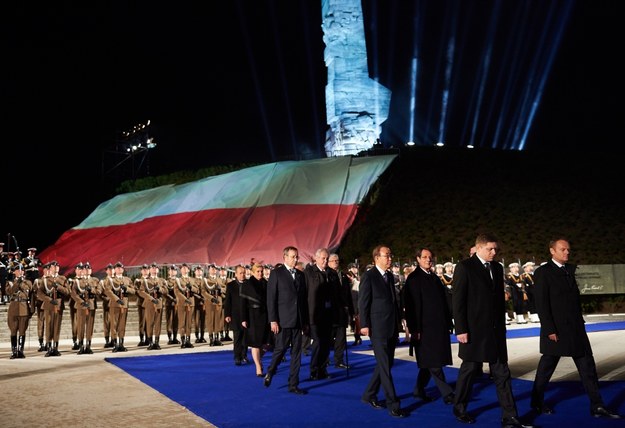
(226, 219)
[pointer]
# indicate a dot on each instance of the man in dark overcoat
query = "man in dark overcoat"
(562, 331)
(479, 315)
(429, 322)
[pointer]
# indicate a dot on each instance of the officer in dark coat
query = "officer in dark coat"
(429, 322)
(562, 331)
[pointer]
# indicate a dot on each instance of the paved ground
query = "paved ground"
(85, 390)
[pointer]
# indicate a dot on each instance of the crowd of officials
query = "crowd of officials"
(308, 307)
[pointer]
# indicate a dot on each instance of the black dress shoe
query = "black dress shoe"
(267, 380)
(298, 391)
(398, 413)
(602, 412)
(449, 399)
(513, 422)
(465, 418)
(542, 409)
(373, 403)
(341, 366)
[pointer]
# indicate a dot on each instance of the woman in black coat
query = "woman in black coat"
(254, 315)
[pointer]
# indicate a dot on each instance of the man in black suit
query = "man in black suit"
(479, 316)
(380, 320)
(429, 321)
(287, 310)
(321, 284)
(562, 331)
(232, 313)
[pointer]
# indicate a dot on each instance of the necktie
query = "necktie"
(292, 271)
(490, 272)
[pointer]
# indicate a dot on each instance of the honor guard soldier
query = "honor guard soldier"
(185, 289)
(38, 309)
(199, 312)
(214, 294)
(223, 280)
(106, 304)
(84, 302)
(153, 292)
(517, 288)
(528, 279)
(52, 291)
(118, 293)
(78, 272)
(142, 280)
(31, 265)
(171, 308)
(19, 291)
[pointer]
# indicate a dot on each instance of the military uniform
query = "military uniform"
(139, 282)
(118, 292)
(171, 308)
(31, 265)
(213, 297)
(106, 305)
(153, 292)
(52, 290)
(528, 278)
(184, 290)
(18, 315)
(38, 309)
(84, 297)
(517, 289)
(199, 312)
(4, 266)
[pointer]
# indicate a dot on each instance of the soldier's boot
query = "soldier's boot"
(41, 345)
(88, 348)
(211, 339)
(202, 340)
(20, 347)
(81, 348)
(107, 342)
(156, 345)
(49, 348)
(114, 345)
(217, 342)
(197, 337)
(189, 344)
(183, 339)
(175, 339)
(121, 347)
(141, 340)
(55, 350)
(150, 341)
(75, 346)
(13, 347)
(169, 341)
(227, 337)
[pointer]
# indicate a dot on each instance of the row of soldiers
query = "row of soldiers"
(189, 303)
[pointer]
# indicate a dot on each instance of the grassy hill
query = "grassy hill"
(442, 198)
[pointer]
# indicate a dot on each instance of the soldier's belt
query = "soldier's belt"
(19, 299)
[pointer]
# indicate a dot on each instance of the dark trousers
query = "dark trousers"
(288, 337)
(384, 352)
(587, 373)
(501, 376)
(321, 341)
(424, 376)
(239, 347)
(340, 344)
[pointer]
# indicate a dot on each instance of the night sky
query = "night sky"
(233, 82)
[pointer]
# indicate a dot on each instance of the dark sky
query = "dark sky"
(243, 81)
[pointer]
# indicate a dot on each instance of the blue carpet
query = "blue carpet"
(211, 386)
